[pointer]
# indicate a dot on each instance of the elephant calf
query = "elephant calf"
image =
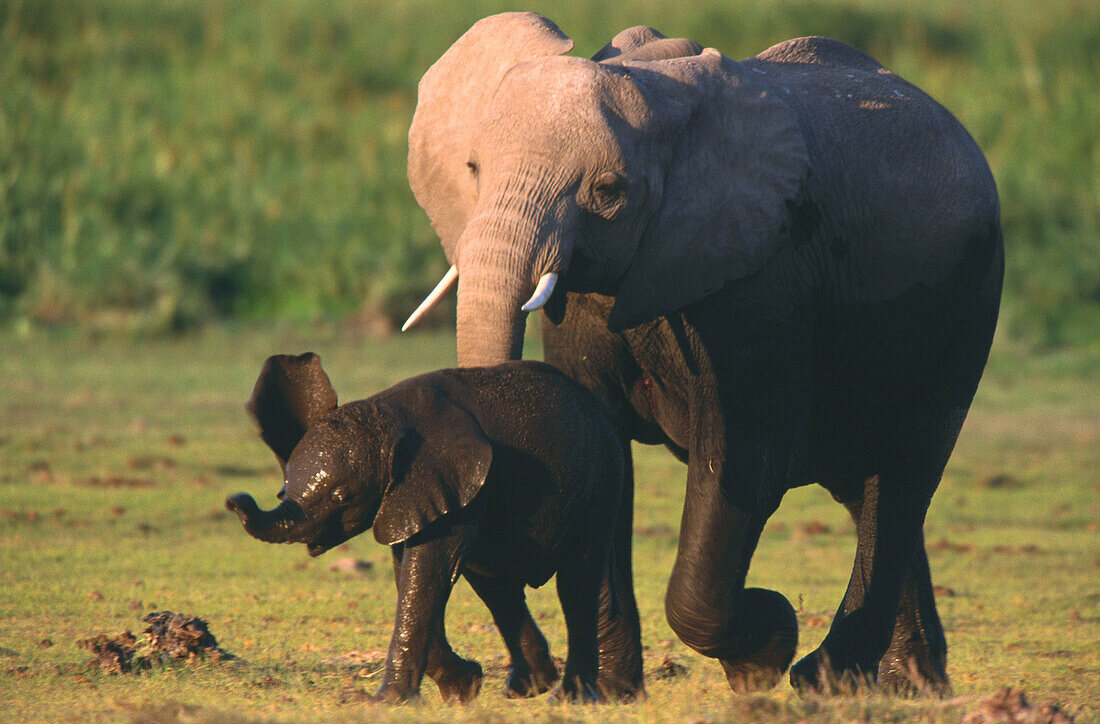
(504, 475)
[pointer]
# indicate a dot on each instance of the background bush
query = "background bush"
(166, 163)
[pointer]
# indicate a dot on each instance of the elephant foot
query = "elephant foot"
(394, 694)
(815, 673)
(460, 681)
(525, 681)
(908, 676)
(913, 676)
(575, 690)
(766, 611)
(616, 689)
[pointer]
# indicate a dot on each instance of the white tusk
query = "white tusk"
(542, 293)
(445, 284)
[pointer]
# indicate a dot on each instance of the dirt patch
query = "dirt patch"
(813, 527)
(655, 531)
(113, 653)
(151, 462)
(669, 668)
(168, 637)
(351, 565)
(1001, 481)
(1011, 705)
(945, 545)
(370, 660)
(115, 481)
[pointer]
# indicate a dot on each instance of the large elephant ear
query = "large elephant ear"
(452, 96)
(289, 395)
(440, 461)
(739, 158)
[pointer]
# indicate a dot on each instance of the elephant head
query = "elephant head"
(655, 173)
(396, 465)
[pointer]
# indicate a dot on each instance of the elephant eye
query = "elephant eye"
(472, 164)
(339, 495)
(607, 195)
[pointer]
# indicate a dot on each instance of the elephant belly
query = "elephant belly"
(530, 521)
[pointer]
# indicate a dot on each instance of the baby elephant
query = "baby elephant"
(504, 475)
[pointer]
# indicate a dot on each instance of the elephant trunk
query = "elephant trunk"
(490, 321)
(285, 524)
(503, 257)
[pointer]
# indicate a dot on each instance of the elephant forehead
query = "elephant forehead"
(565, 99)
(325, 455)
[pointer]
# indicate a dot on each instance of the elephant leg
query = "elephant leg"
(531, 670)
(458, 679)
(424, 575)
(752, 632)
(887, 621)
(891, 516)
(578, 583)
(916, 660)
(620, 631)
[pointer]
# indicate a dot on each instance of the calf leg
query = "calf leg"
(424, 575)
(531, 671)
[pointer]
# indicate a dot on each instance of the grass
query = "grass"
(115, 458)
(164, 163)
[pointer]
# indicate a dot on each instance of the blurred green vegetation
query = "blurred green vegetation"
(166, 163)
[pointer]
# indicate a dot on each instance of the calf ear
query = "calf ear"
(440, 461)
(290, 394)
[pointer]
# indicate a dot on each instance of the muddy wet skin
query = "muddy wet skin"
(169, 637)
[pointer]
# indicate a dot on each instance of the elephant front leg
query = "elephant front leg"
(458, 679)
(752, 632)
(619, 629)
(424, 575)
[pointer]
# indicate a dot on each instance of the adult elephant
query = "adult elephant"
(786, 269)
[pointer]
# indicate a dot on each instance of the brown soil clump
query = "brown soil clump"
(670, 669)
(169, 637)
(114, 653)
(1011, 705)
(182, 637)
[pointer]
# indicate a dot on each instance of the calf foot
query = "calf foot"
(525, 680)
(394, 694)
(459, 681)
(575, 690)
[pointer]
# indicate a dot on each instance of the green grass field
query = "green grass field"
(115, 457)
(168, 162)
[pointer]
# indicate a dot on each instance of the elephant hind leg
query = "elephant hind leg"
(531, 670)
(862, 631)
(887, 623)
(916, 660)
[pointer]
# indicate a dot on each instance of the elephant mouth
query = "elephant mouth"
(330, 535)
